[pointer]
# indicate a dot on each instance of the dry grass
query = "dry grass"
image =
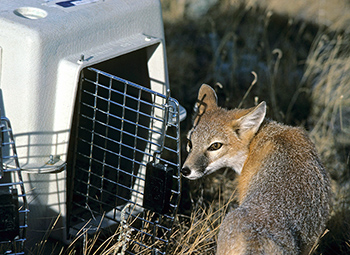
(328, 69)
(332, 13)
(197, 233)
(84, 243)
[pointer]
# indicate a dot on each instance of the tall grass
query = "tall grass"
(197, 233)
(328, 71)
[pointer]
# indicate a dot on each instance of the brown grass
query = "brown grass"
(328, 69)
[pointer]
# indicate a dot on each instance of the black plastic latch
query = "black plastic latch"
(9, 215)
(158, 185)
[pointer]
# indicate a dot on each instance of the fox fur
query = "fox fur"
(283, 189)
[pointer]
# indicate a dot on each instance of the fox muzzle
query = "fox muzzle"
(186, 171)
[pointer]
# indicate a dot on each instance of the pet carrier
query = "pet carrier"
(85, 85)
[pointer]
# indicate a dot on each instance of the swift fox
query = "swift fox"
(283, 189)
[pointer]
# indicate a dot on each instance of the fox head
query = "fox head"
(219, 138)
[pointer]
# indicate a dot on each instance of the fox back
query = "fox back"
(283, 188)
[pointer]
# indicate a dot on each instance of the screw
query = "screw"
(82, 59)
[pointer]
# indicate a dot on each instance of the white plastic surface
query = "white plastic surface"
(42, 44)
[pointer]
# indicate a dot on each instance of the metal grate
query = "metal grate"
(120, 128)
(13, 202)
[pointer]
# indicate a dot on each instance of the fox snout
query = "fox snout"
(191, 174)
(186, 171)
(194, 169)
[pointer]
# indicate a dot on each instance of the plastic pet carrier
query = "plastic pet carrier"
(85, 85)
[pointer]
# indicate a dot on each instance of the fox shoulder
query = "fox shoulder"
(283, 152)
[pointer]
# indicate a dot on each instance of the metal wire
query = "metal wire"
(121, 126)
(11, 179)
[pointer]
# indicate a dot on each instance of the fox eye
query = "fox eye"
(214, 146)
(189, 145)
(237, 131)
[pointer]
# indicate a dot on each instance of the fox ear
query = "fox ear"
(206, 100)
(249, 124)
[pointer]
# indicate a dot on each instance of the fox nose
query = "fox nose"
(186, 171)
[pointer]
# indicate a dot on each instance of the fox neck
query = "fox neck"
(240, 164)
(259, 148)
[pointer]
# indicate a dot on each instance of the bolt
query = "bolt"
(82, 59)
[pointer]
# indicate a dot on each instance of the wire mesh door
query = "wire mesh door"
(124, 175)
(13, 201)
